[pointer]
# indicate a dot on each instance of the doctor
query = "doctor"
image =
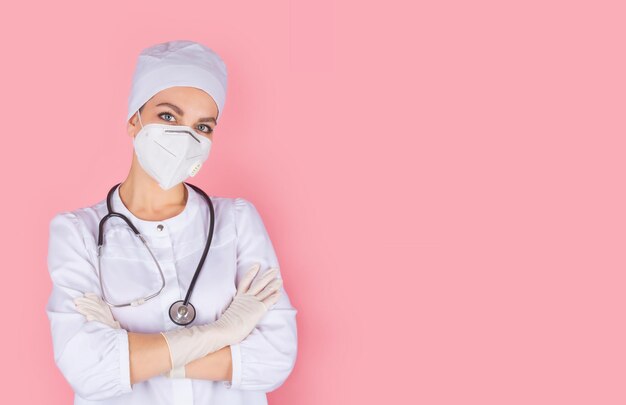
(242, 342)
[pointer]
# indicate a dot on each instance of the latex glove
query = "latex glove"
(247, 308)
(95, 309)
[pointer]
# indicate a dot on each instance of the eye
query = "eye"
(165, 114)
(207, 129)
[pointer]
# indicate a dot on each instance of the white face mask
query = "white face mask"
(170, 153)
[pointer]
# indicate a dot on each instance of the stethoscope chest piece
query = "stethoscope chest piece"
(182, 314)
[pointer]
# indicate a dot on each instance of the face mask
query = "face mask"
(170, 153)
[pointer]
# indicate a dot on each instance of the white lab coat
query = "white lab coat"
(94, 358)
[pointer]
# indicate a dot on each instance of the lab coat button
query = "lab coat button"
(160, 227)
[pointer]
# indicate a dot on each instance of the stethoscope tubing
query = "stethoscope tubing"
(207, 246)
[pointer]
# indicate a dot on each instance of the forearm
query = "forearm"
(149, 356)
(216, 366)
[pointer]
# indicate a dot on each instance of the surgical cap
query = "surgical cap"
(177, 63)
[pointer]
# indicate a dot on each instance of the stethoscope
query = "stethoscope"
(181, 312)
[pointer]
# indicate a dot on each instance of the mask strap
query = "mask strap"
(139, 115)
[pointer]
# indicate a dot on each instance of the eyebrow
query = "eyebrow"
(180, 112)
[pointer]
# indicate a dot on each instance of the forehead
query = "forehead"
(186, 98)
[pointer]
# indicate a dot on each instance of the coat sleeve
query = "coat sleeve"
(92, 356)
(266, 357)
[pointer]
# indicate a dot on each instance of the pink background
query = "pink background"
(443, 184)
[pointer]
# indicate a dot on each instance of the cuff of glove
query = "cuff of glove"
(188, 344)
(178, 372)
(169, 349)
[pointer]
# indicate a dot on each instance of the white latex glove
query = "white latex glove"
(95, 309)
(246, 309)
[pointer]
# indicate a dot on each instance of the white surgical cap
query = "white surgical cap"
(177, 63)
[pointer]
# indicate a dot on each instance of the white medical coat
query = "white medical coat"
(94, 357)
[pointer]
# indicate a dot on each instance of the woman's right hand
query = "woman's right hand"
(253, 299)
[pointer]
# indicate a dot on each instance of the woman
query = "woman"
(242, 341)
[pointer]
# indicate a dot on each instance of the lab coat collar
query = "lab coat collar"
(168, 226)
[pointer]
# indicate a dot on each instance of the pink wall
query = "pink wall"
(443, 184)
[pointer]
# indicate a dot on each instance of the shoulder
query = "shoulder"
(233, 205)
(83, 220)
(241, 211)
(246, 216)
(233, 201)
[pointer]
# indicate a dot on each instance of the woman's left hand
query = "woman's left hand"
(95, 309)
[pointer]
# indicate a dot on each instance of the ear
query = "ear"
(131, 125)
